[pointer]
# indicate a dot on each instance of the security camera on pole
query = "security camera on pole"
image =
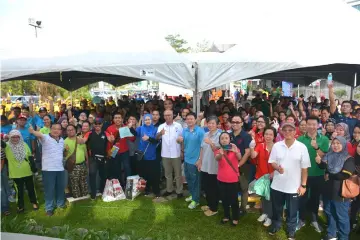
(35, 24)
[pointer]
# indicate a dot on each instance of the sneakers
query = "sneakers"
(317, 227)
(193, 205)
(291, 236)
(166, 194)
(300, 225)
(273, 231)
(262, 218)
(11, 198)
(329, 238)
(267, 222)
(209, 213)
(188, 199)
(49, 213)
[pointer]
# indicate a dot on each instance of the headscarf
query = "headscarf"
(148, 130)
(329, 134)
(335, 160)
(346, 130)
(17, 149)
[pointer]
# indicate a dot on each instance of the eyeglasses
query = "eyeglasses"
(235, 122)
(260, 122)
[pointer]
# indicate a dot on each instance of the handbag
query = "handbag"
(350, 187)
(32, 164)
(233, 168)
(71, 161)
(140, 154)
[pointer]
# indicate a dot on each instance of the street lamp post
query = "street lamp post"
(35, 24)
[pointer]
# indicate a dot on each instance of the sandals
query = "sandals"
(224, 221)
(20, 210)
(6, 213)
(234, 224)
(35, 207)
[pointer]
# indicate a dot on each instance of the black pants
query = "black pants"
(150, 171)
(355, 206)
(211, 188)
(278, 200)
(229, 197)
(19, 187)
(117, 164)
(310, 201)
(95, 166)
(134, 165)
(245, 171)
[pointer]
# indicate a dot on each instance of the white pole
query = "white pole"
(298, 95)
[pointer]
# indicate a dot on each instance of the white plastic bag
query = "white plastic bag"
(251, 187)
(134, 186)
(113, 191)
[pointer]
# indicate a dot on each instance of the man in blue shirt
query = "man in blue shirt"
(346, 110)
(192, 138)
(5, 125)
(27, 136)
(38, 121)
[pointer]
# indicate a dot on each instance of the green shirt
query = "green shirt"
(323, 143)
(80, 151)
(45, 130)
(17, 169)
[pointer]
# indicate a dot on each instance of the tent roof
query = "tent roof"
(112, 48)
(278, 38)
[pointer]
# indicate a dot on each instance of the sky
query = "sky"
(79, 25)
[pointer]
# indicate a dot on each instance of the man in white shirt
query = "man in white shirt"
(290, 160)
(169, 132)
(53, 173)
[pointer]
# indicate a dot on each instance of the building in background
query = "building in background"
(354, 3)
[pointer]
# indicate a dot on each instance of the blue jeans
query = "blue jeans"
(278, 200)
(193, 179)
(337, 214)
(5, 190)
(54, 189)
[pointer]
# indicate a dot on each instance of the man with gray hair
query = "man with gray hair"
(169, 132)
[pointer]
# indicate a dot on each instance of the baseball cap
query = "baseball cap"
(98, 121)
(22, 116)
(288, 124)
(42, 109)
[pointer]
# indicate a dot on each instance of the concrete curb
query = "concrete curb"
(13, 236)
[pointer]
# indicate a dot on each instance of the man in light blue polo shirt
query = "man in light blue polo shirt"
(192, 138)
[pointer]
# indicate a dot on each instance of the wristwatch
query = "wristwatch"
(303, 186)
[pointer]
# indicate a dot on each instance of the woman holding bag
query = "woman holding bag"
(18, 154)
(146, 153)
(261, 153)
(228, 157)
(339, 166)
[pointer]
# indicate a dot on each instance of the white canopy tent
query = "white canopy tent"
(82, 49)
(283, 35)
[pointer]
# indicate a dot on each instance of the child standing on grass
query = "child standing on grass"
(228, 157)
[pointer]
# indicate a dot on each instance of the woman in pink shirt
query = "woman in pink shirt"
(228, 157)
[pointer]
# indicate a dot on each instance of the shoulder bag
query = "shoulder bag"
(71, 161)
(140, 154)
(350, 187)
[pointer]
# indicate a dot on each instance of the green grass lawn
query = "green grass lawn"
(142, 218)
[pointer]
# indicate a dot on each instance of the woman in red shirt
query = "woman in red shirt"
(354, 142)
(228, 157)
(261, 153)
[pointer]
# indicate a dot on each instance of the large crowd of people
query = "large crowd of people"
(308, 150)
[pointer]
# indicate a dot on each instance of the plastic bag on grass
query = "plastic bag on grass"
(134, 186)
(113, 191)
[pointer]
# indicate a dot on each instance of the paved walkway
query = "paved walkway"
(15, 236)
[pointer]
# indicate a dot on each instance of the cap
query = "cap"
(42, 109)
(98, 121)
(288, 124)
(316, 106)
(22, 116)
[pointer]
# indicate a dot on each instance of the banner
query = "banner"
(287, 88)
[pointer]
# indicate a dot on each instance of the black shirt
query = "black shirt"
(97, 143)
(242, 141)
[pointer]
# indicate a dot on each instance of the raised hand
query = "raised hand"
(145, 137)
(162, 131)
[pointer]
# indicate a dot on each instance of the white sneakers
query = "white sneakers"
(267, 222)
(265, 218)
(262, 218)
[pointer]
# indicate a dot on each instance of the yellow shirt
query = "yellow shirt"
(17, 169)
(80, 151)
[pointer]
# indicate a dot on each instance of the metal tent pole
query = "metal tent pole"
(353, 87)
(196, 94)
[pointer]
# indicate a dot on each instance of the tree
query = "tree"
(178, 43)
(340, 93)
(202, 46)
(18, 87)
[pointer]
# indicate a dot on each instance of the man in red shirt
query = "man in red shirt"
(122, 155)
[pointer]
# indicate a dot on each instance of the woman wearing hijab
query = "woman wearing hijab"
(329, 128)
(342, 130)
(17, 153)
(150, 168)
(339, 166)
